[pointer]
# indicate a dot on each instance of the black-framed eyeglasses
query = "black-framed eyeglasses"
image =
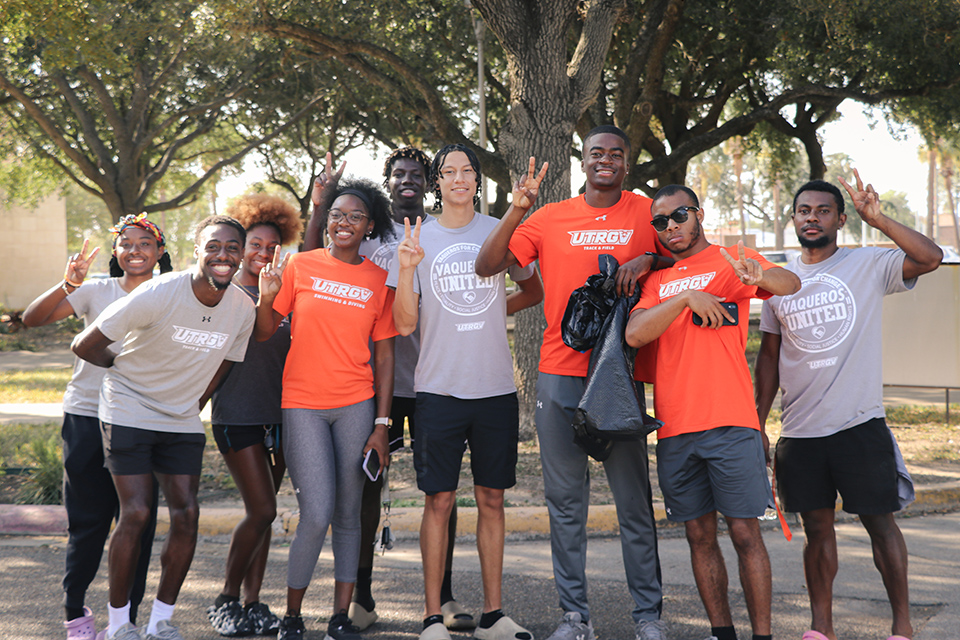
(678, 215)
(353, 217)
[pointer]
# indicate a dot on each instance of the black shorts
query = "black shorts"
(858, 463)
(133, 452)
(237, 437)
(402, 409)
(491, 426)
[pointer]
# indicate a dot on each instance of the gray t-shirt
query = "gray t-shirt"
(406, 349)
(88, 302)
(830, 348)
(463, 318)
(172, 345)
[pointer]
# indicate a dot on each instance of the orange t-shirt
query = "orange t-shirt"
(702, 379)
(337, 309)
(568, 237)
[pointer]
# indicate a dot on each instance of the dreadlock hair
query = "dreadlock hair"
(211, 221)
(405, 153)
(438, 162)
(258, 209)
(375, 201)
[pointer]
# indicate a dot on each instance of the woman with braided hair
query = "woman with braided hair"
(88, 491)
(247, 426)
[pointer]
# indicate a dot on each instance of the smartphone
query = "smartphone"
(371, 465)
(731, 308)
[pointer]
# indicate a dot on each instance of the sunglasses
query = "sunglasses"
(679, 215)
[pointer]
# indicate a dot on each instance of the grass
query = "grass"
(14, 437)
(41, 385)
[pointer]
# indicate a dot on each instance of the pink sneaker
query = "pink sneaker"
(81, 628)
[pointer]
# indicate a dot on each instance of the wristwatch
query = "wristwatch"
(656, 259)
(384, 421)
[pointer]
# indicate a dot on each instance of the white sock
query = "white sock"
(118, 618)
(161, 611)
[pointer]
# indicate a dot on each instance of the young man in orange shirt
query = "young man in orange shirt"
(566, 238)
(711, 448)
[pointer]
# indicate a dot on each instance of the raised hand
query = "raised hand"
(865, 200)
(409, 251)
(747, 269)
(328, 179)
(79, 264)
(526, 188)
(271, 276)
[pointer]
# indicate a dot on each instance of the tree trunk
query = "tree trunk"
(947, 173)
(777, 216)
(549, 90)
(931, 189)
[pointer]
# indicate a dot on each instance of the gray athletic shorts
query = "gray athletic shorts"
(722, 469)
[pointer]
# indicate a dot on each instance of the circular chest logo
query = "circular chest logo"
(455, 283)
(820, 316)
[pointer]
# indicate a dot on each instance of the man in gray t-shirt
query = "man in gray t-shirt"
(464, 379)
(179, 334)
(822, 346)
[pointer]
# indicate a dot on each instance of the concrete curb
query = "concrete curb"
(521, 522)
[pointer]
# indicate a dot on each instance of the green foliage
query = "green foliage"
(126, 100)
(44, 483)
(14, 438)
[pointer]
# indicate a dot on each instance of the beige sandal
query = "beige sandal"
(436, 631)
(503, 629)
(456, 617)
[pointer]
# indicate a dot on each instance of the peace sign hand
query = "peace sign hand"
(271, 276)
(409, 251)
(79, 264)
(527, 187)
(747, 269)
(327, 180)
(865, 200)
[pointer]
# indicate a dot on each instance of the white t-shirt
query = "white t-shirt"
(88, 302)
(172, 345)
(831, 339)
(464, 351)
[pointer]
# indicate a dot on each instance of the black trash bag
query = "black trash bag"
(589, 306)
(611, 409)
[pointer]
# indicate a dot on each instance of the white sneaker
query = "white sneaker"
(652, 630)
(572, 628)
(165, 631)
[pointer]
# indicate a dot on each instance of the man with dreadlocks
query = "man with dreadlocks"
(88, 492)
(405, 173)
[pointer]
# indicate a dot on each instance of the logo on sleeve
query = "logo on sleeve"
(455, 283)
(593, 240)
(341, 290)
(698, 282)
(195, 338)
(820, 316)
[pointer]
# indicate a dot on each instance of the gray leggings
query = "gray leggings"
(324, 451)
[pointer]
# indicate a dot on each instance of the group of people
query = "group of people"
(315, 362)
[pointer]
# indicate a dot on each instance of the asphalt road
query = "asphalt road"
(30, 569)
